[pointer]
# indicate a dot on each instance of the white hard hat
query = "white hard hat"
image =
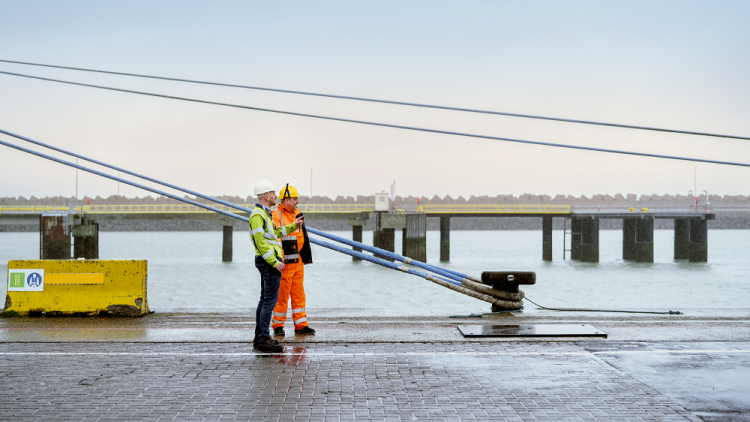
(262, 187)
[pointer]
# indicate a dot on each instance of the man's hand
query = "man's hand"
(280, 266)
(299, 222)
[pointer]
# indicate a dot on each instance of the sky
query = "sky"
(672, 64)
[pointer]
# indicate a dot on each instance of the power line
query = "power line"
(443, 132)
(469, 110)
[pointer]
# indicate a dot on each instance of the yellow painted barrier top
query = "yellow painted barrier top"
(77, 287)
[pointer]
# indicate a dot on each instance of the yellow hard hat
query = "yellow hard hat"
(288, 192)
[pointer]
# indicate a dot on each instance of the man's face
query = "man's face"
(271, 197)
(290, 203)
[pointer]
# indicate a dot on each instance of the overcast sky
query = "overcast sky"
(673, 64)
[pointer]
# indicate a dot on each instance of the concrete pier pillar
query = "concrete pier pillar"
(358, 224)
(54, 237)
(383, 238)
(91, 243)
(403, 242)
(386, 239)
(575, 238)
(85, 238)
(698, 240)
(628, 239)
(681, 238)
(357, 237)
(79, 246)
(445, 239)
(590, 240)
(644, 240)
(415, 237)
(547, 238)
(226, 245)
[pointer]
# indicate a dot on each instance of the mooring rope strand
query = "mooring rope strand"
(446, 283)
(138, 185)
(388, 254)
(442, 132)
(344, 97)
(447, 273)
(23, 138)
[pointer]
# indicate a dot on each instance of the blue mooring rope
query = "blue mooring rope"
(217, 210)
(343, 97)
(337, 119)
(446, 273)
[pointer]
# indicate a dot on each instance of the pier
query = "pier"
(59, 225)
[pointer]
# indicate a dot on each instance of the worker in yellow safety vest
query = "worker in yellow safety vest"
(269, 262)
(297, 254)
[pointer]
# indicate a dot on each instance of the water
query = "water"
(185, 270)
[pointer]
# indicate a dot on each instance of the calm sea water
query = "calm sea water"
(185, 270)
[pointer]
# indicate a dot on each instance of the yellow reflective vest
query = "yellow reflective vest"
(265, 235)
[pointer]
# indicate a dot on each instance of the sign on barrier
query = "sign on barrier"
(25, 280)
(77, 287)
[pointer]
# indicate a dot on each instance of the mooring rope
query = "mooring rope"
(344, 97)
(441, 271)
(453, 285)
(338, 119)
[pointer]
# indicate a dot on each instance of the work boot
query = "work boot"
(279, 331)
(305, 331)
(267, 346)
(267, 338)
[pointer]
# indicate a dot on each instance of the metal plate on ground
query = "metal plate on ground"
(561, 330)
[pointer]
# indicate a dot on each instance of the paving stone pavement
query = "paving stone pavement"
(462, 381)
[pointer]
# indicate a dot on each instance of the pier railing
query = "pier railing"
(339, 208)
(150, 209)
(32, 210)
(354, 208)
(495, 209)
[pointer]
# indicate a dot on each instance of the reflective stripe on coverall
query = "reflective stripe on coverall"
(292, 278)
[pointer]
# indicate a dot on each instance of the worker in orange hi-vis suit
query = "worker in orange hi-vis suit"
(297, 254)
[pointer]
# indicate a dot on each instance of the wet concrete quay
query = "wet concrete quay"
(377, 364)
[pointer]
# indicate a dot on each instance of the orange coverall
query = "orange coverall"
(292, 278)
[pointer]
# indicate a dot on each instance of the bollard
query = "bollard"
(508, 281)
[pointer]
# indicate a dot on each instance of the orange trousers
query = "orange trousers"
(291, 285)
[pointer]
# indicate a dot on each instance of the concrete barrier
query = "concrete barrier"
(76, 287)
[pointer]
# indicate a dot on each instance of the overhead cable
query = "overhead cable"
(443, 132)
(344, 97)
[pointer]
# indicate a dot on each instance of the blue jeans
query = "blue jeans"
(270, 278)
